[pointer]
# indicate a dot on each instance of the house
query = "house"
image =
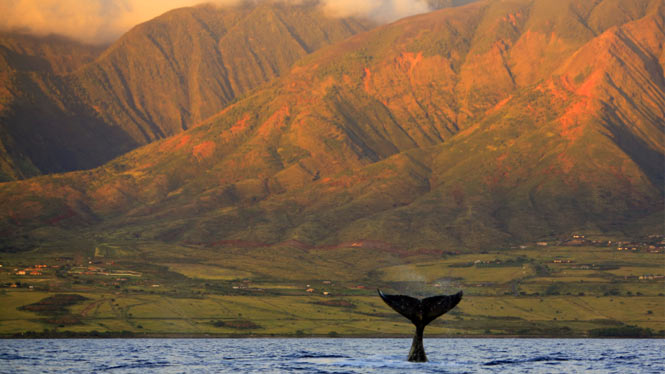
(632, 248)
(310, 290)
(651, 277)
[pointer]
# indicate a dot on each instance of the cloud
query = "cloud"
(379, 10)
(92, 21)
(102, 21)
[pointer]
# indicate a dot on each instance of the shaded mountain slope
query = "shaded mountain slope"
(432, 131)
(54, 54)
(28, 67)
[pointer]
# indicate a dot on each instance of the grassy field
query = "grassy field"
(552, 291)
(198, 271)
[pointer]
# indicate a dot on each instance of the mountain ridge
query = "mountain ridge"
(155, 81)
(372, 139)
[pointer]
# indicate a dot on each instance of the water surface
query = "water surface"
(330, 356)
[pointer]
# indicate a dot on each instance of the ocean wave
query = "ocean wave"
(528, 360)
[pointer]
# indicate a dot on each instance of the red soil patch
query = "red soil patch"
(68, 213)
(167, 144)
(293, 243)
(175, 142)
(407, 61)
(499, 105)
(367, 79)
(241, 125)
(204, 150)
(276, 121)
(183, 141)
(570, 121)
(590, 83)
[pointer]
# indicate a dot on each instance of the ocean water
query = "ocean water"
(533, 356)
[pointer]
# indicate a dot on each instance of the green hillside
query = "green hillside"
(127, 289)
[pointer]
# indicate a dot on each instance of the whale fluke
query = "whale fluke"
(421, 312)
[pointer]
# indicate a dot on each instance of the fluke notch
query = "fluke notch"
(421, 312)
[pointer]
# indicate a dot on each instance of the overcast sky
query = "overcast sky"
(102, 21)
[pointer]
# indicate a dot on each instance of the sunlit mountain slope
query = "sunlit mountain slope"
(494, 123)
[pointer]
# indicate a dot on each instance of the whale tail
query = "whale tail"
(421, 312)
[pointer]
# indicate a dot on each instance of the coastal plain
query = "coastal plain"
(544, 289)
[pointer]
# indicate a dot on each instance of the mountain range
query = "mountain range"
(160, 78)
(487, 124)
